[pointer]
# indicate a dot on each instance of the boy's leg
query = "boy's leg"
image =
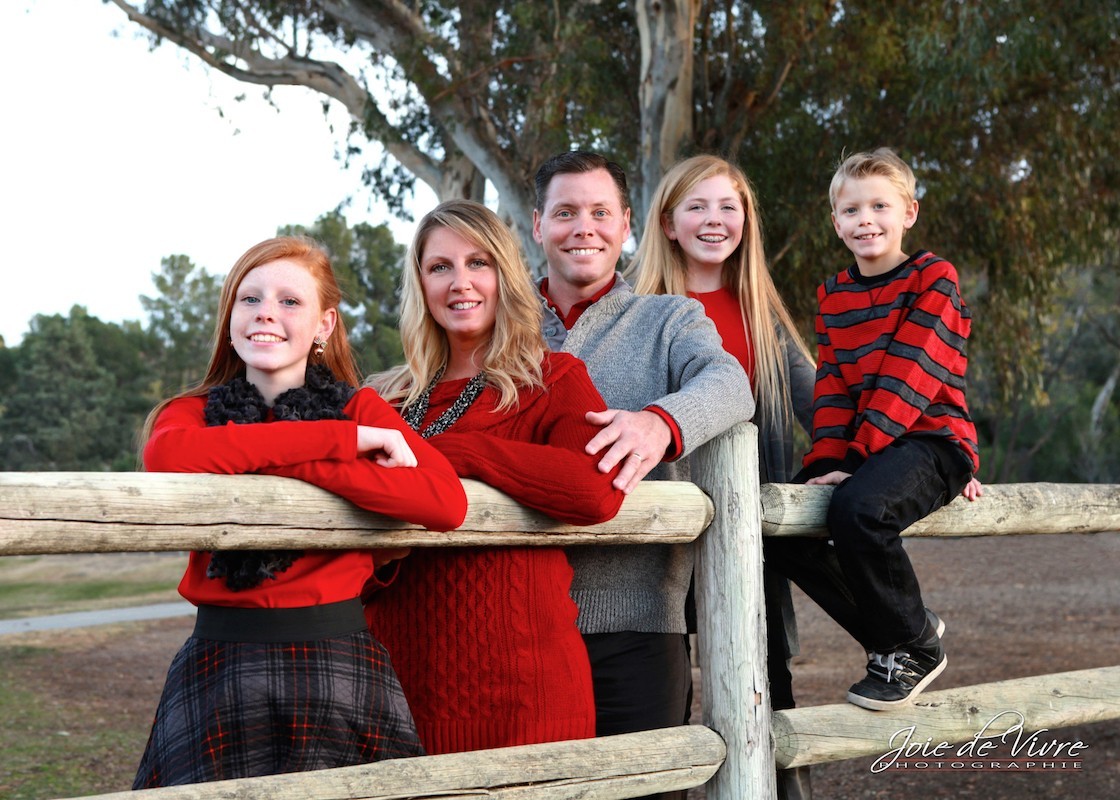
(812, 564)
(892, 490)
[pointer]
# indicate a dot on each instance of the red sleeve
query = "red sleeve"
(553, 473)
(676, 443)
(182, 442)
(429, 494)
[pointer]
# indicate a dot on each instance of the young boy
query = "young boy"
(891, 429)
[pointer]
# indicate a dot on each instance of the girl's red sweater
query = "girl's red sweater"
(323, 453)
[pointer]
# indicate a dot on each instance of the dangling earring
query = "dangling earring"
(320, 346)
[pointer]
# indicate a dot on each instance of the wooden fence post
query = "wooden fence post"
(732, 618)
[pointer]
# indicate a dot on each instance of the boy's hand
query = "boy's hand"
(972, 490)
(636, 439)
(386, 446)
(834, 478)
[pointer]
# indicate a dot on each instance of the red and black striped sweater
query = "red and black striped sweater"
(890, 361)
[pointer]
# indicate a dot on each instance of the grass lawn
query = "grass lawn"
(76, 705)
(36, 585)
(43, 757)
(68, 723)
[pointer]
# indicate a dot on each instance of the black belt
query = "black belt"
(226, 624)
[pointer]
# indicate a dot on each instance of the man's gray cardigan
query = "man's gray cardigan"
(644, 350)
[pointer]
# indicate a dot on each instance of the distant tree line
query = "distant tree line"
(76, 390)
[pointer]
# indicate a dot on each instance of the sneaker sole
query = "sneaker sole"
(886, 705)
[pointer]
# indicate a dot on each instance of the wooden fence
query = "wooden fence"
(741, 741)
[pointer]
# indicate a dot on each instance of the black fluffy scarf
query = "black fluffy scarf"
(321, 397)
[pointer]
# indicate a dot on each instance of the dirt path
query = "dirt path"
(1015, 606)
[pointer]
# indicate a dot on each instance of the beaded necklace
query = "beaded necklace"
(414, 413)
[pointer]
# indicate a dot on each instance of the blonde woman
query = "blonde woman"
(485, 639)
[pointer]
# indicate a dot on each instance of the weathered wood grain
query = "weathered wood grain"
(819, 734)
(630, 765)
(1009, 508)
(732, 620)
(87, 512)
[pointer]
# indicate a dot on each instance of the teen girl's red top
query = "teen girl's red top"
(323, 453)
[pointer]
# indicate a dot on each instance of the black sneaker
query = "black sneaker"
(935, 622)
(895, 679)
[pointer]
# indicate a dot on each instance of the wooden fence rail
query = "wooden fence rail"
(44, 513)
(820, 734)
(100, 512)
(1005, 509)
(629, 765)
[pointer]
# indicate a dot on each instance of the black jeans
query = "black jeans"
(864, 579)
(642, 681)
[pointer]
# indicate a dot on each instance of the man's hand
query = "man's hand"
(834, 478)
(636, 439)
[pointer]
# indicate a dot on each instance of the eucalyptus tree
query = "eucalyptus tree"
(457, 94)
(1007, 110)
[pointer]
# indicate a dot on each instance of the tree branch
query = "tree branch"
(325, 77)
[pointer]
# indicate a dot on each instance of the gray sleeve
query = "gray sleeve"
(711, 392)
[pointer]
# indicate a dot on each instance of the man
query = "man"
(670, 387)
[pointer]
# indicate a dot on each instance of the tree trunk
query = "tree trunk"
(665, 29)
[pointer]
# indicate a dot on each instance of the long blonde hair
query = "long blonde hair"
(225, 364)
(661, 268)
(513, 357)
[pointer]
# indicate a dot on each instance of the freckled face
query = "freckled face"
(707, 223)
(460, 282)
(582, 229)
(275, 320)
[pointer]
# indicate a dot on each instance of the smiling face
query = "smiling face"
(707, 224)
(870, 216)
(582, 227)
(275, 320)
(460, 282)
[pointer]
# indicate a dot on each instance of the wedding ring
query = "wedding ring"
(638, 456)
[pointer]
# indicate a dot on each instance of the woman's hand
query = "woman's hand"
(386, 446)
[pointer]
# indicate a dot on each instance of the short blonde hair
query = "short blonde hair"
(516, 350)
(882, 162)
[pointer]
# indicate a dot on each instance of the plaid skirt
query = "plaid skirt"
(235, 709)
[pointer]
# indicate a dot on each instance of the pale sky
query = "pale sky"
(114, 156)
